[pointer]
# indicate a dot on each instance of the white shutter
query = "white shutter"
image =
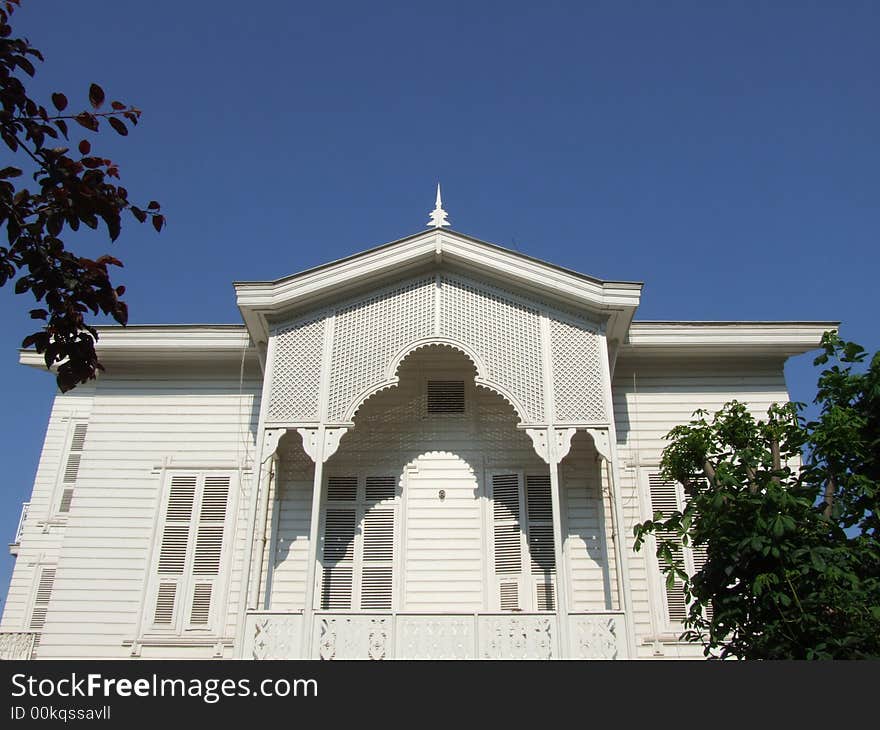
(340, 525)
(378, 559)
(507, 538)
(174, 549)
(665, 500)
(542, 552)
(210, 530)
(71, 467)
(359, 522)
(189, 565)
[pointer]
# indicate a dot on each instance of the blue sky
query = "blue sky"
(725, 154)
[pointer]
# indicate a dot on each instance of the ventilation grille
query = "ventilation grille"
(209, 546)
(214, 499)
(445, 396)
(342, 489)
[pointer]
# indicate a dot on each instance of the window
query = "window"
(189, 572)
(524, 558)
(667, 497)
(358, 543)
(75, 446)
(445, 396)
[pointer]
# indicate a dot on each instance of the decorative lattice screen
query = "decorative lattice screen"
(579, 394)
(370, 332)
(296, 376)
(502, 328)
(505, 333)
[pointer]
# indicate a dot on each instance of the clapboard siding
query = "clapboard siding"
(650, 398)
(138, 421)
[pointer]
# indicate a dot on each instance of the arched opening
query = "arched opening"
(463, 525)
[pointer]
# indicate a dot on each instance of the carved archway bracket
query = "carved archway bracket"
(561, 442)
(311, 436)
(601, 441)
(271, 437)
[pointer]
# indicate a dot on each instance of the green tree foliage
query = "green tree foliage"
(69, 190)
(787, 511)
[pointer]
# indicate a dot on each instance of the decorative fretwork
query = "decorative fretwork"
(16, 645)
(296, 376)
(505, 332)
(520, 637)
(369, 333)
(354, 637)
(276, 637)
(578, 390)
(595, 637)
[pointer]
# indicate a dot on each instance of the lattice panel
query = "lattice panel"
(578, 391)
(296, 375)
(504, 332)
(370, 332)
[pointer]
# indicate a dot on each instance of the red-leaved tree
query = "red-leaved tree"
(69, 189)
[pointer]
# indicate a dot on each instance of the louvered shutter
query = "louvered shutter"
(507, 539)
(174, 549)
(340, 526)
(209, 531)
(71, 467)
(665, 499)
(542, 553)
(41, 598)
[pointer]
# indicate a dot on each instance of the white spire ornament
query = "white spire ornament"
(438, 215)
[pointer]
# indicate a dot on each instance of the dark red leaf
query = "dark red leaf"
(118, 105)
(62, 125)
(118, 125)
(60, 101)
(138, 213)
(96, 95)
(39, 314)
(158, 222)
(87, 120)
(12, 172)
(153, 205)
(84, 147)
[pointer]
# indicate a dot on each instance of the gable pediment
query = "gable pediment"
(262, 303)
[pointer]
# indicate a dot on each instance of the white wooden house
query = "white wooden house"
(478, 429)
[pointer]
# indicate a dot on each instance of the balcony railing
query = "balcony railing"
(404, 635)
(16, 644)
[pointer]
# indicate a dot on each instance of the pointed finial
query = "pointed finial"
(438, 215)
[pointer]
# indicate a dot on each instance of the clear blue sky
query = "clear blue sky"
(726, 154)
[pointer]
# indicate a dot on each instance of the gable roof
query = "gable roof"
(261, 301)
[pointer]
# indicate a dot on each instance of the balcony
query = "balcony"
(405, 635)
(14, 545)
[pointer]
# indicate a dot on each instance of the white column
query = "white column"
(253, 494)
(559, 553)
(314, 522)
(268, 470)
